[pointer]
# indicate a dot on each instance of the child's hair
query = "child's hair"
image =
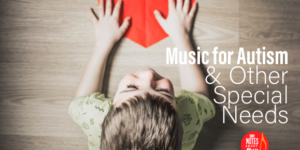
(149, 123)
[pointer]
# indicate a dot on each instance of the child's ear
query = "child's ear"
(101, 122)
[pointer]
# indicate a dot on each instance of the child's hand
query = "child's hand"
(179, 21)
(107, 26)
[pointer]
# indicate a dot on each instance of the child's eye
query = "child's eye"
(131, 86)
(165, 90)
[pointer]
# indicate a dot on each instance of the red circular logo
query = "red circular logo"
(254, 141)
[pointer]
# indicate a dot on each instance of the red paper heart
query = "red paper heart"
(144, 28)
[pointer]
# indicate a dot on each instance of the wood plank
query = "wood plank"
(16, 142)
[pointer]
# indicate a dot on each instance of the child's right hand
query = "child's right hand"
(179, 21)
(106, 24)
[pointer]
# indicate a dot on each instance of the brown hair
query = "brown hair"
(149, 123)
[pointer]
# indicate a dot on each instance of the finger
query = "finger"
(93, 17)
(108, 8)
(116, 11)
(193, 9)
(186, 6)
(101, 8)
(125, 25)
(161, 20)
(171, 4)
(179, 5)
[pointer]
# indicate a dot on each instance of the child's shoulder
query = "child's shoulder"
(195, 102)
(184, 94)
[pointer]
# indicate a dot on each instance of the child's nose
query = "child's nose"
(149, 77)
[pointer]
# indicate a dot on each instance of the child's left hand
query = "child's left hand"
(106, 24)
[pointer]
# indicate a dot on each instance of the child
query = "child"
(144, 114)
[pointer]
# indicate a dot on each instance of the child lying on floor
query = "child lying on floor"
(144, 114)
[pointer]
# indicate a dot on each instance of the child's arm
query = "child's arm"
(178, 26)
(108, 32)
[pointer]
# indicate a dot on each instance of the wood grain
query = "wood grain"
(45, 45)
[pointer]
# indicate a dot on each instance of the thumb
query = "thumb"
(161, 20)
(94, 18)
(125, 25)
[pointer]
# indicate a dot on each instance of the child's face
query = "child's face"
(143, 81)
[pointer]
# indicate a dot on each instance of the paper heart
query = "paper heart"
(144, 28)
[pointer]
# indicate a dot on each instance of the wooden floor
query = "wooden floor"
(45, 45)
